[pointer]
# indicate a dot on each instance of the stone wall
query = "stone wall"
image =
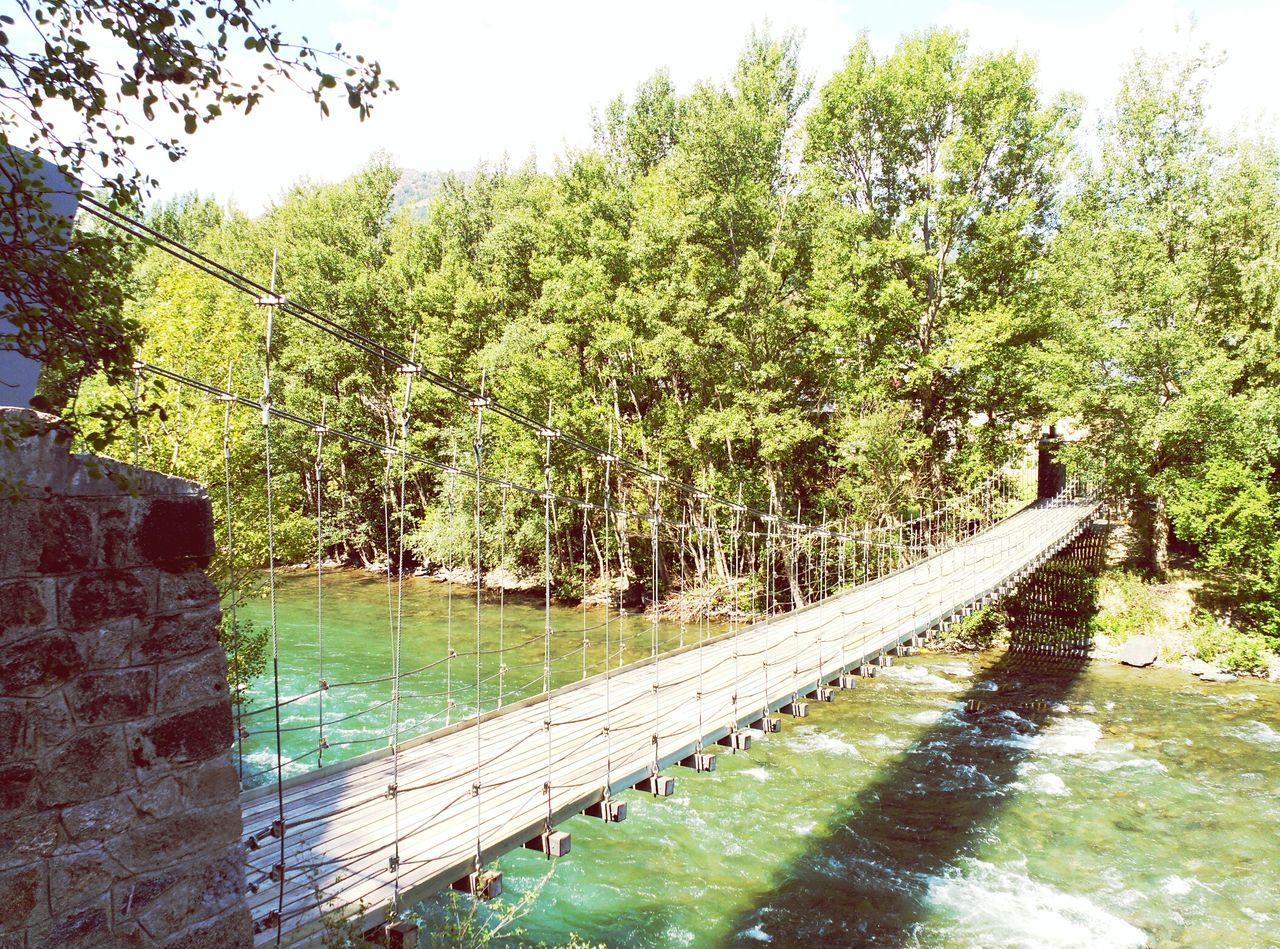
(119, 804)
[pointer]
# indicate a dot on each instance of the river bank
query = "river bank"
(1182, 622)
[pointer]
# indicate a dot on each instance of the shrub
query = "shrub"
(981, 630)
(1127, 606)
(1228, 648)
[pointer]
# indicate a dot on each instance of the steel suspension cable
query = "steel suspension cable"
(654, 606)
(608, 595)
(399, 628)
(270, 303)
(232, 592)
(502, 596)
(322, 685)
(479, 405)
(549, 436)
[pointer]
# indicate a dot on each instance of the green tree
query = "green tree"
(85, 83)
(1169, 265)
(937, 173)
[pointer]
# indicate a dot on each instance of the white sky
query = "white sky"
(490, 78)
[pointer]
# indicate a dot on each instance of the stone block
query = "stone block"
(25, 836)
(91, 765)
(39, 664)
(89, 926)
(178, 634)
(233, 930)
(95, 598)
(195, 681)
(187, 590)
(16, 782)
(170, 900)
(161, 798)
(109, 645)
(99, 819)
(26, 898)
(80, 876)
(25, 604)
(18, 556)
(117, 535)
(158, 844)
(176, 529)
(65, 532)
(52, 722)
(193, 735)
(210, 782)
(15, 732)
(101, 697)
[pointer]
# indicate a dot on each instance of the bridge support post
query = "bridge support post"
(847, 681)
(610, 811)
(867, 670)
(821, 693)
(401, 935)
(1051, 474)
(738, 741)
(768, 725)
(659, 785)
(884, 662)
(553, 843)
(481, 884)
(699, 761)
(795, 709)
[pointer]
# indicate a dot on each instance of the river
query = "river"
(1077, 805)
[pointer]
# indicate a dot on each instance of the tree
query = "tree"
(1168, 266)
(938, 175)
(81, 82)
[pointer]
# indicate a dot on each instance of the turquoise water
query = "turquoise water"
(1134, 807)
(359, 611)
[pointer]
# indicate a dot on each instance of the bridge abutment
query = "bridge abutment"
(121, 815)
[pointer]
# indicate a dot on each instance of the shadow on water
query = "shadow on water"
(867, 881)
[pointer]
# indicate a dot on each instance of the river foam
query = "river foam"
(995, 906)
(1257, 732)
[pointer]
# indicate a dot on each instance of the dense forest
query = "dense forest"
(849, 300)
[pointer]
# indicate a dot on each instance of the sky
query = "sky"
(489, 79)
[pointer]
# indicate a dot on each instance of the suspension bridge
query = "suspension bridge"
(817, 606)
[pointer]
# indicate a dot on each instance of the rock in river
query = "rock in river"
(1139, 651)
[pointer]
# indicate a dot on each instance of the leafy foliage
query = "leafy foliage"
(859, 310)
(81, 83)
(1168, 262)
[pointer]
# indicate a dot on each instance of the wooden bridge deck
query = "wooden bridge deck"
(341, 823)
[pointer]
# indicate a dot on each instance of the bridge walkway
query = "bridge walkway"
(493, 785)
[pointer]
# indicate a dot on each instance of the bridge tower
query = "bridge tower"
(1051, 473)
